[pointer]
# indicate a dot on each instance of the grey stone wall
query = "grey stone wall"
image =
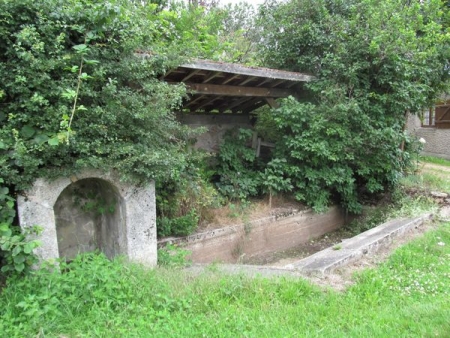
(216, 126)
(128, 227)
(90, 215)
(437, 140)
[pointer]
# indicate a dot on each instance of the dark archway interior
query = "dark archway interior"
(90, 215)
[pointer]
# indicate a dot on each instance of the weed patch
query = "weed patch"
(405, 296)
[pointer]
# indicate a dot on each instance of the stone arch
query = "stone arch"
(130, 229)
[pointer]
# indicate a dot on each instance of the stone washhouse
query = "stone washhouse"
(95, 211)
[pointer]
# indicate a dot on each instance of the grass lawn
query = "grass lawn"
(407, 296)
(435, 160)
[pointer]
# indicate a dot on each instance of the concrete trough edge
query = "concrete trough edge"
(328, 260)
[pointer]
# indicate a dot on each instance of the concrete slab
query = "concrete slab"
(326, 261)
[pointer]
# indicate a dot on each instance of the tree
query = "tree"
(374, 62)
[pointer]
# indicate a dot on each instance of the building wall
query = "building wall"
(437, 140)
(216, 126)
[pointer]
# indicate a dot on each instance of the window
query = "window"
(437, 116)
(428, 117)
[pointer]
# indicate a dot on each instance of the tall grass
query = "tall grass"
(407, 296)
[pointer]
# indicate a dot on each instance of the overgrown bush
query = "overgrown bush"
(178, 226)
(186, 198)
(80, 89)
(372, 67)
(16, 249)
(238, 167)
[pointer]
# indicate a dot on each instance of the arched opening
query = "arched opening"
(90, 215)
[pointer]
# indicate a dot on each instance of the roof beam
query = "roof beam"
(222, 90)
(191, 74)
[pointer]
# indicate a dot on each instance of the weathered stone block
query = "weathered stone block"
(92, 211)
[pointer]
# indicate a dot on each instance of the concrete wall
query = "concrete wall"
(247, 241)
(90, 215)
(130, 229)
(437, 140)
(216, 126)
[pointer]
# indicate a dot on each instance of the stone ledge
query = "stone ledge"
(326, 261)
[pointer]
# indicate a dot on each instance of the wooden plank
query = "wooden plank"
(272, 103)
(249, 71)
(191, 74)
(442, 120)
(238, 103)
(207, 103)
(213, 76)
(209, 89)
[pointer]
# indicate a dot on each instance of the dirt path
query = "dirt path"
(434, 168)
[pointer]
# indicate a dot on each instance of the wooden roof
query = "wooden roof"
(217, 87)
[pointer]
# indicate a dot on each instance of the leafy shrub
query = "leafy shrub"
(16, 249)
(238, 166)
(371, 69)
(178, 226)
(172, 256)
(186, 198)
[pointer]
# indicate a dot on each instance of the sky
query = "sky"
(253, 2)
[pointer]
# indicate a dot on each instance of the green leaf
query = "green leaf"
(19, 259)
(17, 250)
(53, 141)
(27, 248)
(19, 267)
(27, 131)
(81, 49)
(5, 268)
(40, 139)
(91, 62)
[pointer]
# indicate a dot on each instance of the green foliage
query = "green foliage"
(91, 284)
(435, 160)
(93, 201)
(273, 179)
(16, 248)
(80, 89)
(186, 198)
(123, 114)
(264, 125)
(178, 226)
(172, 256)
(371, 68)
(408, 295)
(237, 166)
